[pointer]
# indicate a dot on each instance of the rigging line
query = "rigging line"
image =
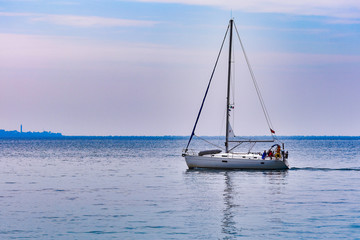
(208, 142)
(255, 82)
(267, 117)
(251, 146)
(207, 89)
(235, 146)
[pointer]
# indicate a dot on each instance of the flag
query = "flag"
(272, 131)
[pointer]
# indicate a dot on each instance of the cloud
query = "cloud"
(330, 8)
(307, 30)
(90, 21)
(65, 3)
(14, 14)
(343, 21)
(80, 21)
(41, 52)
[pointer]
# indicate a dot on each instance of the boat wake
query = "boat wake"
(324, 169)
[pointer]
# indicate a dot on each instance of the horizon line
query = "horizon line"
(60, 135)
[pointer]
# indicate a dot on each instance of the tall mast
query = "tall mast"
(228, 88)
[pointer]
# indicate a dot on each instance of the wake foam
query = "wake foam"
(324, 169)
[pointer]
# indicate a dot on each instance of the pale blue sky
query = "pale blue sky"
(141, 67)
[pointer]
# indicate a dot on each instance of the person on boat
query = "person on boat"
(270, 154)
(264, 155)
(278, 150)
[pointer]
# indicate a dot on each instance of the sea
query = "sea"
(141, 188)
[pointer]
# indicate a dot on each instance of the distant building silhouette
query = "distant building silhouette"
(29, 135)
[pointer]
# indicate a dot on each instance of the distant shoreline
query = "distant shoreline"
(50, 135)
(17, 134)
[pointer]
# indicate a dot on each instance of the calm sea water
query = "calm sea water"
(140, 188)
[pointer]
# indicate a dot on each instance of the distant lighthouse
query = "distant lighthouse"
(20, 128)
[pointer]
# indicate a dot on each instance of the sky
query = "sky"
(141, 67)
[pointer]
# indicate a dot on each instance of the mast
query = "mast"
(228, 89)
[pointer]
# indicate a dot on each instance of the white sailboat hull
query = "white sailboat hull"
(234, 162)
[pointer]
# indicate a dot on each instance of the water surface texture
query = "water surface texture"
(140, 188)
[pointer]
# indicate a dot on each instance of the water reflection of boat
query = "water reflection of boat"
(229, 227)
(236, 208)
(240, 201)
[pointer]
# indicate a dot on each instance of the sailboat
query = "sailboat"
(227, 158)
